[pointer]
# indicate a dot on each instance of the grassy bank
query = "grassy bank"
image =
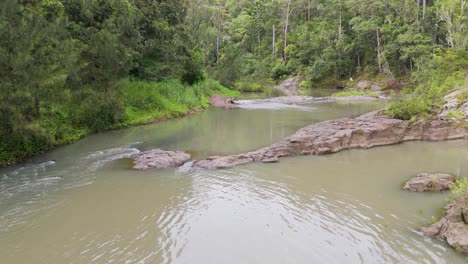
(85, 112)
(355, 93)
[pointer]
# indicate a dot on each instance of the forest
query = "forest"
(69, 68)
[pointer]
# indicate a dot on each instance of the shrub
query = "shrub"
(279, 71)
(456, 114)
(460, 187)
(249, 87)
(408, 107)
(97, 111)
(462, 97)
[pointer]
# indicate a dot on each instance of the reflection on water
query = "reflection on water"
(81, 204)
(320, 92)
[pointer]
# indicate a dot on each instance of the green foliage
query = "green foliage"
(195, 68)
(456, 114)
(441, 73)
(249, 87)
(318, 70)
(462, 97)
(325, 39)
(355, 93)
(279, 71)
(145, 101)
(88, 110)
(408, 107)
(460, 188)
(61, 62)
(96, 111)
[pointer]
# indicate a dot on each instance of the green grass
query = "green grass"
(355, 93)
(147, 101)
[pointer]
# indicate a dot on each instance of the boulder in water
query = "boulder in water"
(426, 182)
(160, 159)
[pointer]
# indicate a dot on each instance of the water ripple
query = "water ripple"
(23, 187)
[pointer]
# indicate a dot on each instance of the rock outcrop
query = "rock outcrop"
(290, 86)
(454, 109)
(160, 159)
(366, 85)
(453, 226)
(367, 131)
(426, 182)
(303, 99)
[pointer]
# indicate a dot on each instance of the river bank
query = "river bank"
(138, 103)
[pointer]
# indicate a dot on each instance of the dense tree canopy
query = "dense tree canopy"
(321, 39)
(64, 59)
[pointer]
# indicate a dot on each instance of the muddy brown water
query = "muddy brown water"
(82, 204)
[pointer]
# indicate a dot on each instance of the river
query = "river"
(83, 204)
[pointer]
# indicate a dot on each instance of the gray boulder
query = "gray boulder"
(426, 182)
(160, 159)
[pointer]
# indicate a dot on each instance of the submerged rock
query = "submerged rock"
(366, 131)
(425, 182)
(452, 226)
(160, 159)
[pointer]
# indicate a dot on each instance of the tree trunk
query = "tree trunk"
(273, 45)
(286, 25)
(379, 51)
(218, 33)
(340, 29)
(424, 9)
(417, 14)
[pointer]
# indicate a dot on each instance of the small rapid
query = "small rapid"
(23, 186)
